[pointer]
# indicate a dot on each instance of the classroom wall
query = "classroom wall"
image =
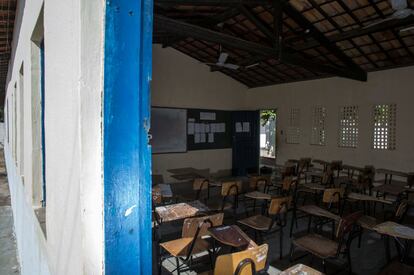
(73, 39)
(181, 81)
(391, 86)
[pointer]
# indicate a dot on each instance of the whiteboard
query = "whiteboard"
(168, 130)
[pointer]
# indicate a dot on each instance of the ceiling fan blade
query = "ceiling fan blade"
(222, 58)
(231, 66)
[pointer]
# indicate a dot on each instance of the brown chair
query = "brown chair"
(369, 222)
(274, 221)
(246, 262)
(200, 191)
(191, 241)
(325, 248)
(229, 196)
(331, 201)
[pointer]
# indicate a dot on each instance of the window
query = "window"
(14, 123)
(21, 123)
(318, 132)
(385, 126)
(37, 77)
(348, 126)
(293, 131)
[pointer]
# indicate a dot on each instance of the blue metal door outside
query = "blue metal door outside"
(126, 153)
(245, 142)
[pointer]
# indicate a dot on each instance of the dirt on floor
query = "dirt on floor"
(9, 264)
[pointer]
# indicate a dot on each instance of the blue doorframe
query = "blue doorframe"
(126, 153)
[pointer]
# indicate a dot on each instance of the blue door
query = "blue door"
(126, 153)
(246, 142)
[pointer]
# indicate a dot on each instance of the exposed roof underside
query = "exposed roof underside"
(318, 38)
(7, 14)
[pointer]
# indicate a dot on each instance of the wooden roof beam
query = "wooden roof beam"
(321, 38)
(185, 29)
(394, 24)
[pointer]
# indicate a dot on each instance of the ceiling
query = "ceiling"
(287, 41)
(7, 15)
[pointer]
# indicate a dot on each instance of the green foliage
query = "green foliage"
(266, 115)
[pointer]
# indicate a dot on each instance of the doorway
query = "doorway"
(268, 148)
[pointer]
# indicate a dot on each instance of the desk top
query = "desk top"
(390, 189)
(315, 186)
(300, 269)
(181, 210)
(317, 211)
(392, 172)
(351, 167)
(258, 195)
(395, 230)
(232, 235)
(363, 197)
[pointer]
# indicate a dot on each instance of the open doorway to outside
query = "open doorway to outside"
(268, 137)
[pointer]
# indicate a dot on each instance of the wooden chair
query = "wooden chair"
(331, 201)
(369, 222)
(246, 262)
(229, 194)
(274, 221)
(325, 248)
(200, 186)
(191, 241)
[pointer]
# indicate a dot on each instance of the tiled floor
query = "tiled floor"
(367, 260)
(8, 259)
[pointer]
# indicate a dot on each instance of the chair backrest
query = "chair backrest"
(256, 182)
(304, 164)
(227, 264)
(333, 195)
(191, 225)
(327, 176)
(231, 188)
(400, 211)
(279, 205)
(156, 195)
(200, 184)
(346, 223)
(288, 184)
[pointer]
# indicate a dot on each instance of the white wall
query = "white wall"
(181, 81)
(391, 86)
(73, 39)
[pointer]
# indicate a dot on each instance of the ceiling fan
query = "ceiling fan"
(221, 62)
(401, 11)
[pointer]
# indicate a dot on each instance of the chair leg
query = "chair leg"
(324, 266)
(281, 243)
(292, 221)
(178, 265)
(292, 250)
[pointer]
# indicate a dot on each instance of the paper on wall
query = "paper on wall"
(207, 128)
(197, 128)
(246, 127)
(220, 127)
(190, 128)
(213, 127)
(210, 138)
(207, 116)
(197, 138)
(202, 137)
(239, 127)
